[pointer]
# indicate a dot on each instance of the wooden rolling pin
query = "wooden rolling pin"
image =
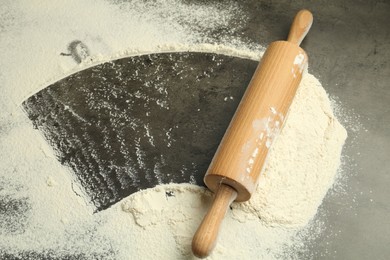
(238, 162)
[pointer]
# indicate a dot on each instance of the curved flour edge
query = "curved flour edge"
(176, 218)
(310, 188)
(173, 201)
(241, 52)
(249, 210)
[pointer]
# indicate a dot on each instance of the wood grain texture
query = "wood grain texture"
(300, 26)
(206, 236)
(258, 120)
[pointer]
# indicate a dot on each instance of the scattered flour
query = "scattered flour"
(44, 209)
(303, 161)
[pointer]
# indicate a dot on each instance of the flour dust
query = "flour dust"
(43, 211)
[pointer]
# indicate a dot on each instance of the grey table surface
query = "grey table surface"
(349, 51)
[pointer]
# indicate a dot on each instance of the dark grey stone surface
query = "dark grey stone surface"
(349, 51)
(138, 122)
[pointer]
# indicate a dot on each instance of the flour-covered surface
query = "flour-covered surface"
(108, 128)
(303, 161)
(45, 208)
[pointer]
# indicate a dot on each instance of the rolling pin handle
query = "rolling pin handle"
(300, 26)
(273, 85)
(205, 237)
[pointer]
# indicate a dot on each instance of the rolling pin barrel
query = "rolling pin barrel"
(258, 120)
(238, 162)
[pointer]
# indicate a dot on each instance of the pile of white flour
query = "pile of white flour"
(42, 209)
